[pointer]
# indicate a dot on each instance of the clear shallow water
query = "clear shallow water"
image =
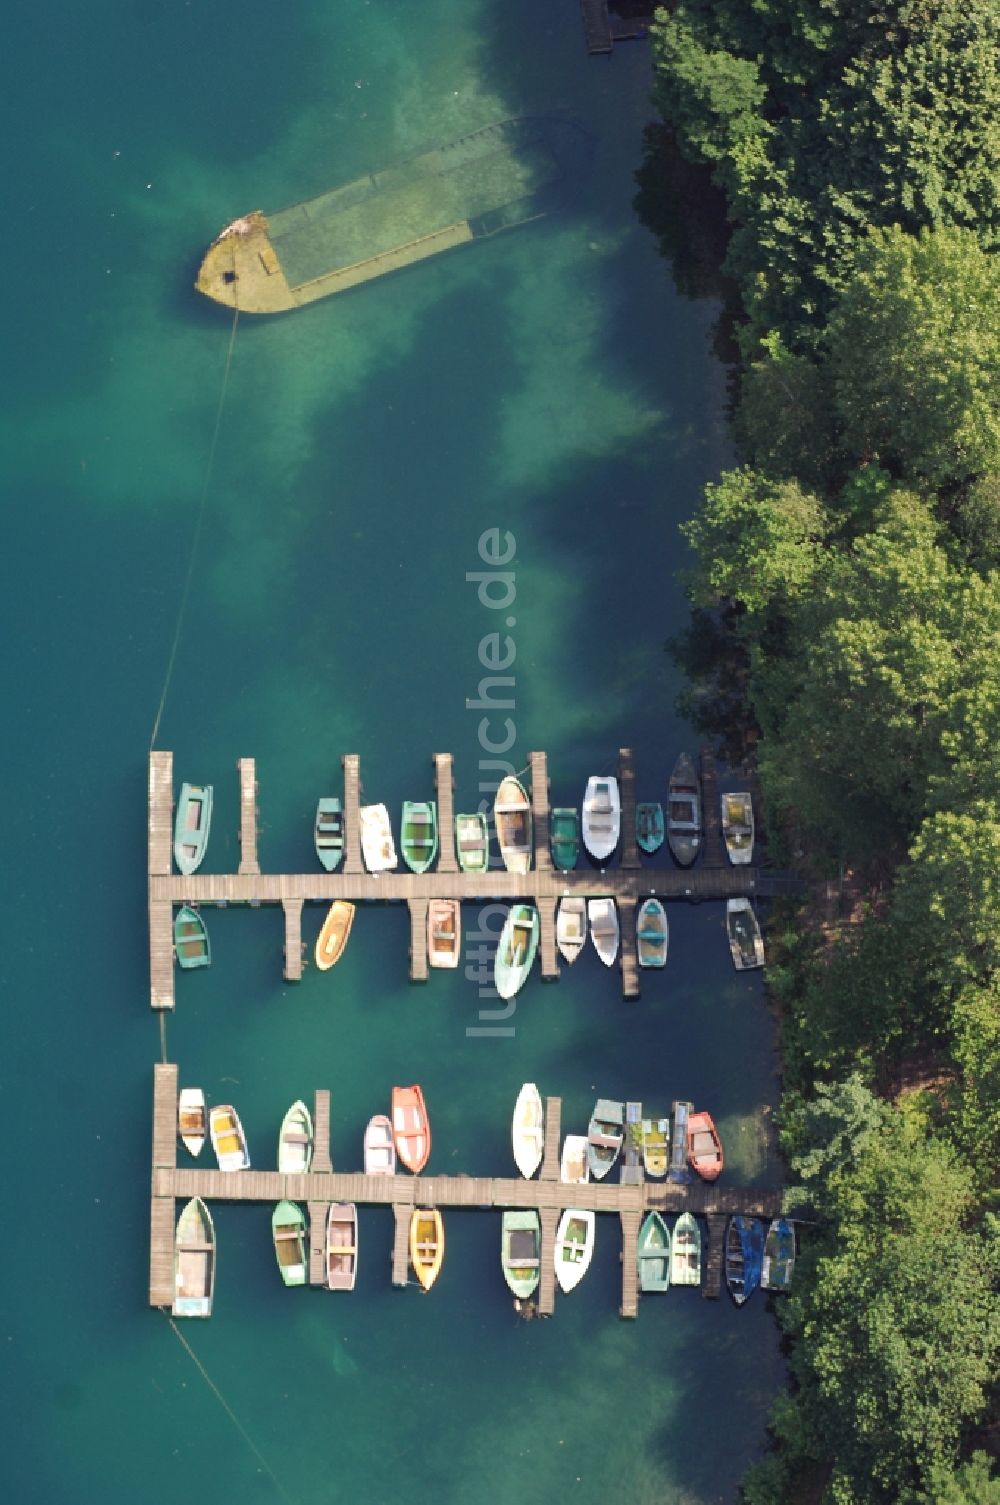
(548, 383)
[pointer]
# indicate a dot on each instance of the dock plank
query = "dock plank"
(165, 1115)
(401, 1245)
(628, 954)
(550, 1154)
(547, 948)
(322, 1157)
(352, 816)
(630, 1263)
(626, 791)
(596, 26)
(161, 1252)
(293, 939)
(444, 779)
(317, 1242)
(161, 953)
(418, 939)
(715, 854)
(248, 815)
(160, 833)
(549, 1218)
(538, 763)
(712, 1284)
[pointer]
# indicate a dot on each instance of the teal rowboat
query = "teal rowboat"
(564, 837)
(288, 1228)
(654, 1254)
(649, 826)
(419, 835)
(329, 833)
(685, 1255)
(652, 934)
(520, 1252)
(516, 951)
(191, 939)
(472, 837)
(192, 825)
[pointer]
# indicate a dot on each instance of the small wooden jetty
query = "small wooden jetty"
(322, 1186)
(628, 884)
(603, 26)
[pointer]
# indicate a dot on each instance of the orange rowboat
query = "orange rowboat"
(704, 1146)
(426, 1245)
(411, 1127)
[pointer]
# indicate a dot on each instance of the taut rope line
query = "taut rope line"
(255, 1450)
(196, 535)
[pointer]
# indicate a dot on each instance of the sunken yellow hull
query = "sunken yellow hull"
(491, 180)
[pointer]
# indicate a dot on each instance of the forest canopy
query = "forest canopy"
(846, 576)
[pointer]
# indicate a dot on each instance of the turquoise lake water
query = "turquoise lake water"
(549, 383)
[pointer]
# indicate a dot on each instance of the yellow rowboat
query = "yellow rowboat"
(333, 937)
(228, 1139)
(426, 1245)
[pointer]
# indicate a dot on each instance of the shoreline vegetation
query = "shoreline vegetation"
(846, 630)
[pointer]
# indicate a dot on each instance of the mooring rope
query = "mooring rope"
(196, 535)
(255, 1450)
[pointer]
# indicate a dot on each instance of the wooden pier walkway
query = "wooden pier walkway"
(322, 1185)
(627, 884)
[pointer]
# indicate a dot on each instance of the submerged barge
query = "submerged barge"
(493, 179)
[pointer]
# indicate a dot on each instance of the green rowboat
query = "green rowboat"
(329, 833)
(419, 835)
(472, 838)
(685, 1256)
(654, 1254)
(191, 939)
(516, 951)
(649, 826)
(564, 837)
(520, 1252)
(288, 1228)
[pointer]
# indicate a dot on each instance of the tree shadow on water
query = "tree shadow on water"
(679, 204)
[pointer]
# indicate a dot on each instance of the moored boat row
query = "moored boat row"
(697, 1146)
(595, 827)
(407, 1134)
(665, 1257)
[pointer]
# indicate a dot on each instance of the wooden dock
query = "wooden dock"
(596, 26)
(602, 30)
(627, 884)
(321, 1186)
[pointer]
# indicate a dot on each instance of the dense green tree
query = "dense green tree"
(785, 422)
(915, 353)
(757, 541)
(945, 917)
(900, 704)
(977, 521)
(712, 98)
(974, 1483)
(898, 1333)
(824, 118)
(975, 1026)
